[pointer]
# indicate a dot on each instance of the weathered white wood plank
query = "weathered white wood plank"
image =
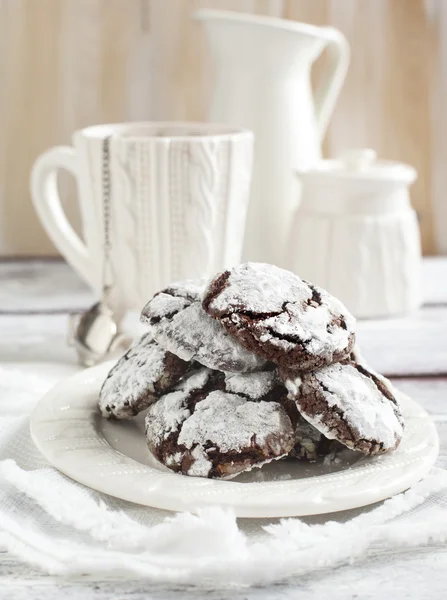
(31, 285)
(43, 338)
(415, 344)
(30, 338)
(417, 575)
(401, 348)
(431, 393)
(41, 286)
(434, 279)
(411, 345)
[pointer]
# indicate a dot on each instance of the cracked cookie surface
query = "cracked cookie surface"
(279, 316)
(351, 404)
(139, 378)
(217, 425)
(179, 323)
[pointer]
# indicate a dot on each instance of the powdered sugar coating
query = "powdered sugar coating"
(138, 378)
(201, 465)
(179, 324)
(251, 385)
(231, 423)
(195, 381)
(259, 288)
(352, 408)
(166, 416)
(285, 318)
(202, 429)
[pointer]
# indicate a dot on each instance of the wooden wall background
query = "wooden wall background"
(66, 64)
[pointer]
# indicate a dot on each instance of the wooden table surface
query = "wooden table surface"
(35, 299)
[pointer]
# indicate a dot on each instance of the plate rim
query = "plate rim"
(170, 498)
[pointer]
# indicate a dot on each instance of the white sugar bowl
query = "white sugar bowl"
(356, 234)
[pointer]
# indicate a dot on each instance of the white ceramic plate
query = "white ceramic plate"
(112, 457)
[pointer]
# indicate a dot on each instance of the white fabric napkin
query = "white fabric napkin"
(53, 523)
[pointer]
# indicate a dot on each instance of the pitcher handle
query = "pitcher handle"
(333, 77)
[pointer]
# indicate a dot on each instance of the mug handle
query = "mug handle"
(47, 204)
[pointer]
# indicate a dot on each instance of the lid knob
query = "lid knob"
(358, 160)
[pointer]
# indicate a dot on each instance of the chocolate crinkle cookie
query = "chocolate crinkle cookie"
(139, 378)
(351, 404)
(180, 325)
(218, 425)
(280, 317)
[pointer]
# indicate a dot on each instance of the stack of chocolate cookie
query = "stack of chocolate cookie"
(255, 366)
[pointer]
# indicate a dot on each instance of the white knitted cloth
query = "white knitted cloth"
(64, 528)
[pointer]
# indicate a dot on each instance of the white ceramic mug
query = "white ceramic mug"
(178, 203)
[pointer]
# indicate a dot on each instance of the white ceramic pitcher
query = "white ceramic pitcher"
(263, 83)
(356, 234)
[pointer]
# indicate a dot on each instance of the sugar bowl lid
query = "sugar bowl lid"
(360, 166)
